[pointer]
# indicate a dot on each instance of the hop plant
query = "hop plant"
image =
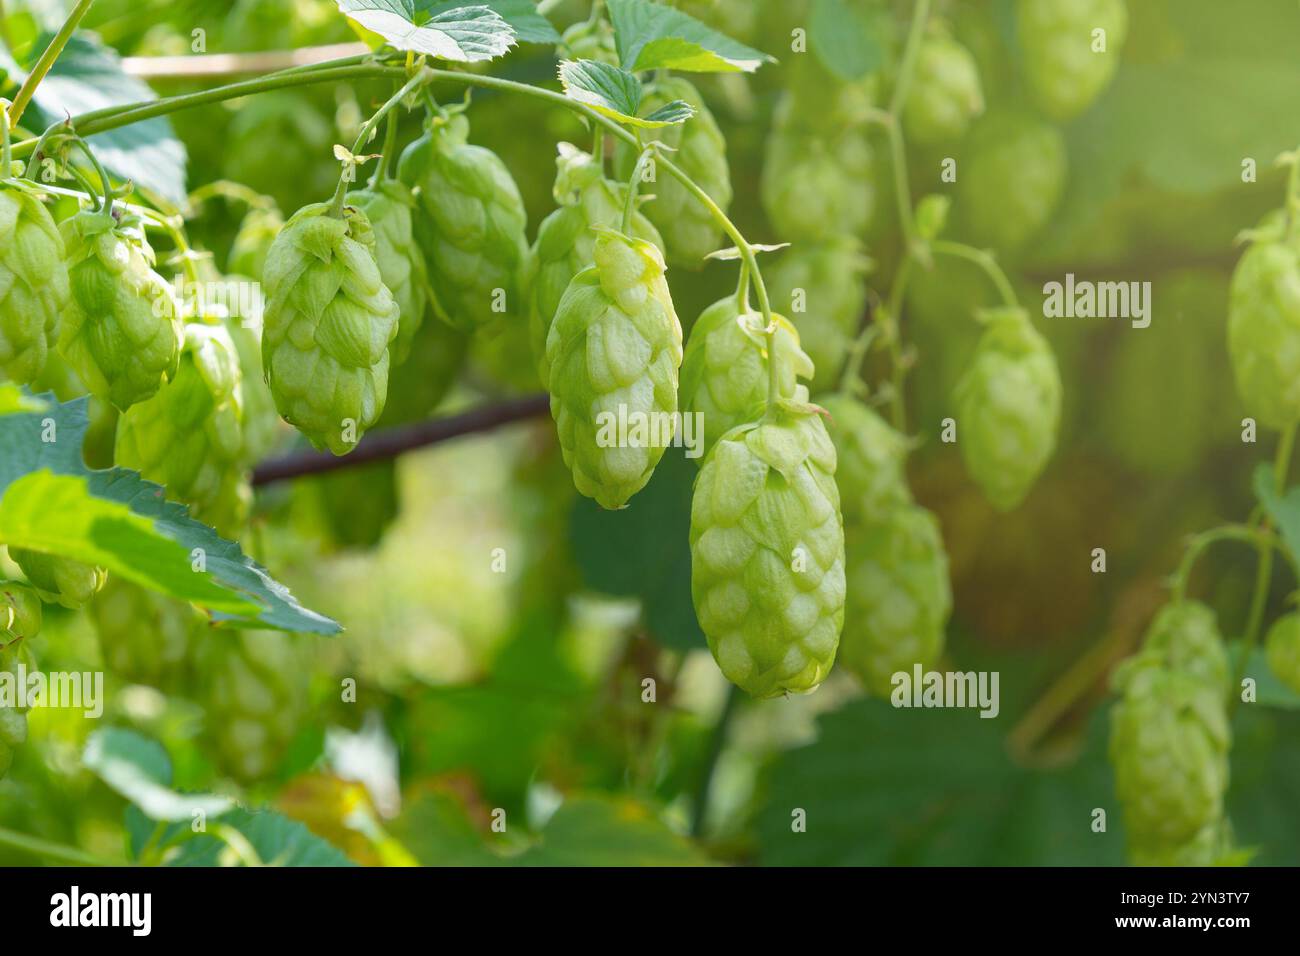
(279, 144)
(20, 622)
(59, 580)
(899, 597)
(261, 421)
(767, 554)
(698, 147)
(566, 237)
(817, 182)
(1009, 407)
(143, 637)
(1282, 650)
(388, 205)
(1013, 174)
(614, 352)
(591, 40)
(33, 282)
(945, 95)
(190, 436)
(725, 371)
(328, 324)
(471, 229)
(820, 288)
(1184, 637)
(120, 333)
(1169, 743)
(1264, 328)
(1212, 846)
(255, 695)
(1063, 70)
(252, 243)
(872, 459)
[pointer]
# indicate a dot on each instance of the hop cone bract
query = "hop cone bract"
(33, 282)
(388, 206)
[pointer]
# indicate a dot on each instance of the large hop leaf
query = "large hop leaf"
(1062, 70)
(872, 472)
(1009, 407)
(329, 320)
(566, 237)
(1264, 330)
(144, 637)
(59, 580)
(33, 282)
(898, 595)
(255, 693)
(1184, 637)
(190, 436)
(699, 148)
(1013, 171)
(1169, 744)
(1282, 650)
(401, 264)
(470, 225)
(817, 182)
(820, 287)
(725, 371)
(120, 333)
(767, 554)
(614, 351)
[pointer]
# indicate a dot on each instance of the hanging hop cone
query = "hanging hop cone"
(34, 287)
(389, 205)
(59, 580)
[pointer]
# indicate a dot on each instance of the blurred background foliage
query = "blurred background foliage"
(481, 691)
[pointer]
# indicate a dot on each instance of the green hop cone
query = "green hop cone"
(33, 282)
(614, 352)
(59, 580)
(725, 370)
(872, 472)
(255, 694)
(767, 554)
(820, 288)
(945, 95)
(144, 637)
(120, 332)
(1212, 846)
(1013, 170)
(1184, 637)
(1264, 329)
(899, 597)
(591, 40)
(699, 149)
(252, 243)
(388, 206)
(20, 622)
(189, 438)
(1169, 740)
(1282, 650)
(817, 183)
(1064, 68)
(1008, 407)
(328, 324)
(470, 225)
(566, 237)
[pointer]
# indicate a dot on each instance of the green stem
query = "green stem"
(42, 67)
(633, 187)
(1200, 543)
(6, 146)
(366, 131)
(225, 189)
(907, 67)
(985, 261)
(1263, 570)
(718, 740)
(55, 852)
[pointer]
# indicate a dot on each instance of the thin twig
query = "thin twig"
(382, 445)
(235, 64)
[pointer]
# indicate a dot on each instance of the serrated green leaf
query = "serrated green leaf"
(50, 501)
(463, 33)
(529, 25)
(606, 89)
(140, 770)
(849, 42)
(88, 76)
(650, 36)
